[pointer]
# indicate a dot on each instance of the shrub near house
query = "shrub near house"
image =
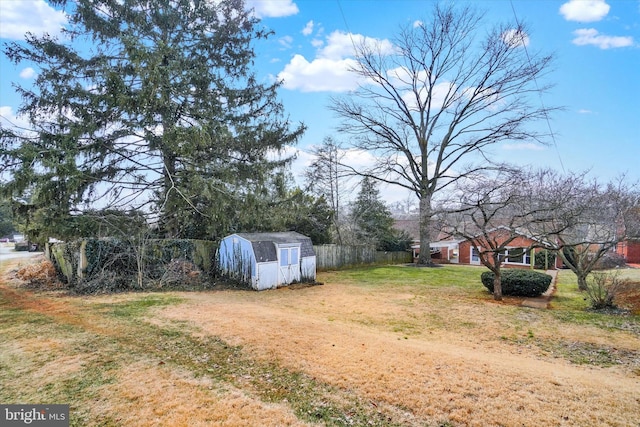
(515, 282)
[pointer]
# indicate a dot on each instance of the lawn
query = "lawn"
(381, 346)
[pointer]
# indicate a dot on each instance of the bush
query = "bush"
(105, 282)
(602, 289)
(182, 274)
(523, 283)
(545, 256)
(610, 260)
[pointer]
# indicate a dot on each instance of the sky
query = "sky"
(596, 73)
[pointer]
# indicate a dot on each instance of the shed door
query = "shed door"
(289, 264)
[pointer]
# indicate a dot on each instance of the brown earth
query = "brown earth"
(426, 362)
(467, 379)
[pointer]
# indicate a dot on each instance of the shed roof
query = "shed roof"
(264, 244)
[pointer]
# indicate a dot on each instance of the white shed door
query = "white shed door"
(289, 264)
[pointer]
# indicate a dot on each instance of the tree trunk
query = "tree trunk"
(425, 230)
(497, 286)
(168, 225)
(582, 282)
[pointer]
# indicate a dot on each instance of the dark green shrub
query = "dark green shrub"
(523, 283)
(545, 259)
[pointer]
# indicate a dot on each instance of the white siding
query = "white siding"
(267, 277)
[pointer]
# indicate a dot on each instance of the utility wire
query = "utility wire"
(346, 25)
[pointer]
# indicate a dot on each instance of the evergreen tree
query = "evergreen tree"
(6, 218)
(373, 220)
(162, 112)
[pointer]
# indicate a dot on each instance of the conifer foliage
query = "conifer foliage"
(147, 104)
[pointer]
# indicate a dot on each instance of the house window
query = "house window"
(475, 255)
(516, 256)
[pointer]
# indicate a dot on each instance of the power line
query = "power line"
(346, 25)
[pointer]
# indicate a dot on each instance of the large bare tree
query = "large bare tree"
(430, 107)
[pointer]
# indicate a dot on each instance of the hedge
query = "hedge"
(516, 282)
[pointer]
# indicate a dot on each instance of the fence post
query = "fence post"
(82, 259)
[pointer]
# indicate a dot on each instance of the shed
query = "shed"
(268, 260)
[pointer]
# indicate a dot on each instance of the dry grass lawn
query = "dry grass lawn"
(344, 353)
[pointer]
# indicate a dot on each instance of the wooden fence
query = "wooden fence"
(330, 257)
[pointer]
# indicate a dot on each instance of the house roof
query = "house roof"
(509, 230)
(264, 244)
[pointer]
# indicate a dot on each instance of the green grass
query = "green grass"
(392, 278)
(138, 307)
(571, 305)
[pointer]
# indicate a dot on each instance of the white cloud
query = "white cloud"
(584, 10)
(9, 119)
(356, 158)
(341, 45)
(308, 29)
(329, 71)
(36, 16)
(440, 95)
(27, 73)
(585, 111)
(404, 80)
(320, 75)
(272, 8)
(590, 36)
(515, 38)
(286, 41)
(317, 43)
(417, 24)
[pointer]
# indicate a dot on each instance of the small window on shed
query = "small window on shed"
(294, 256)
(284, 257)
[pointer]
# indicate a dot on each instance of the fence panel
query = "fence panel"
(330, 257)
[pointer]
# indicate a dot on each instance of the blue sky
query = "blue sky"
(596, 74)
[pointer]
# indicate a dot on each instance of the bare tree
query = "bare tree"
(326, 177)
(588, 219)
(446, 92)
(492, 213)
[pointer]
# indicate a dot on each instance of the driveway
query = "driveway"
(7, 252)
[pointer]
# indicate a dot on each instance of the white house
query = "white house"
(268, 260)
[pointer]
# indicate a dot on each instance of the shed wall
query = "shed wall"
(308, 269)
(237, 259)
(266, 277)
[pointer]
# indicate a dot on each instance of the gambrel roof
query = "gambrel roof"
(264, 244)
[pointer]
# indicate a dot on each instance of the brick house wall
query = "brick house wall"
(465, 252)
(630, 250)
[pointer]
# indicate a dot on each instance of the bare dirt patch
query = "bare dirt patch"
(629, 297)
